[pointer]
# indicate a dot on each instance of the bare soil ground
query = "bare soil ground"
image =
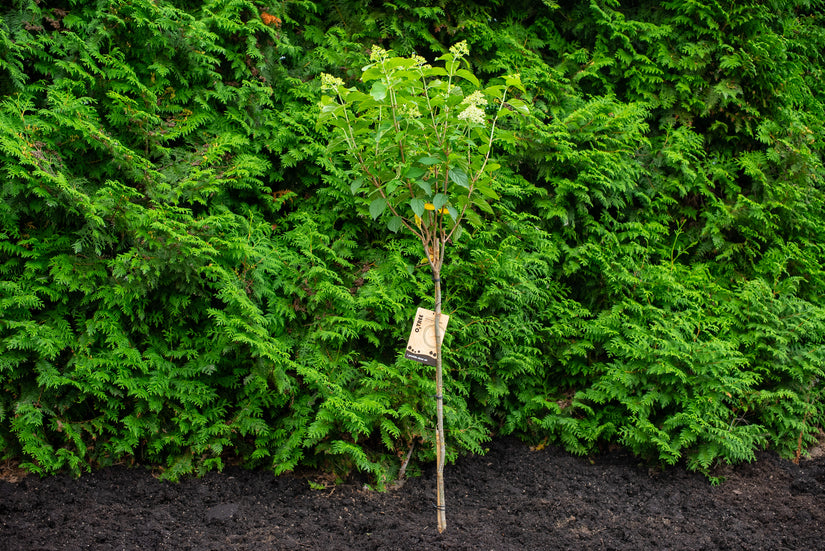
(510, 498)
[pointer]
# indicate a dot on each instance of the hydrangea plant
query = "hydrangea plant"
(419, 143)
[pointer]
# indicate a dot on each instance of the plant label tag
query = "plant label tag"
(421, 346)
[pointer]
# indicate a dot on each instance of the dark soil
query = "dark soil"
(511, 498)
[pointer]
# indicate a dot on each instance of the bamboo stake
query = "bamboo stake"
(440, 447)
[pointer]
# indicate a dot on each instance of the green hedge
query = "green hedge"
(186, 277)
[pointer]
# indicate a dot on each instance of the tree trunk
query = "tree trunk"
(440, 447)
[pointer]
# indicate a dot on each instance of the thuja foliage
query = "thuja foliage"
(186, 277)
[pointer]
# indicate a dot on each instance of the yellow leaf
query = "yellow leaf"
(430, 206)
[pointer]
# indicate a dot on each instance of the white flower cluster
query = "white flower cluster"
(472, 114)
(409, 110)
(460, 49)
(377, 53)
(476, 98)
(419, 61)
(329, 82)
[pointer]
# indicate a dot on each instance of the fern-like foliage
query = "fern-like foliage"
(184, 275)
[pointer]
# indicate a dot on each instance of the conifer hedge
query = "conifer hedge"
(187, 279)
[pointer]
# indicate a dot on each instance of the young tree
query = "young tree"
(419, 143)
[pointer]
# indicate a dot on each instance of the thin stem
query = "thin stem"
(490, 140)
(350, 137)
(394, 109)
(450, 73)
(429, 104)
(403, 470)
(376, 181)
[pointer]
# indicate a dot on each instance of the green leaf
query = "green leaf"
(331, 107)
(356, 185)
(464, 73)
(394, 224)
(439, 200)
(417, 206)
(371, 72)
(494, 91)
(428, 161)
(377, 207)
(453, 212)
(396, 62)
(415, 172)
(382, 129)
(518, 105)
(459, 177)
(473, 218)
(356, 95)
(483, 205)
(392, 185)
(436, 72)
(487, 191)
(516, 82)
(425, 186)
(378, 91)
(459, 231)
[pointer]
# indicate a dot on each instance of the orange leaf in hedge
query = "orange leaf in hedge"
(269, 19)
